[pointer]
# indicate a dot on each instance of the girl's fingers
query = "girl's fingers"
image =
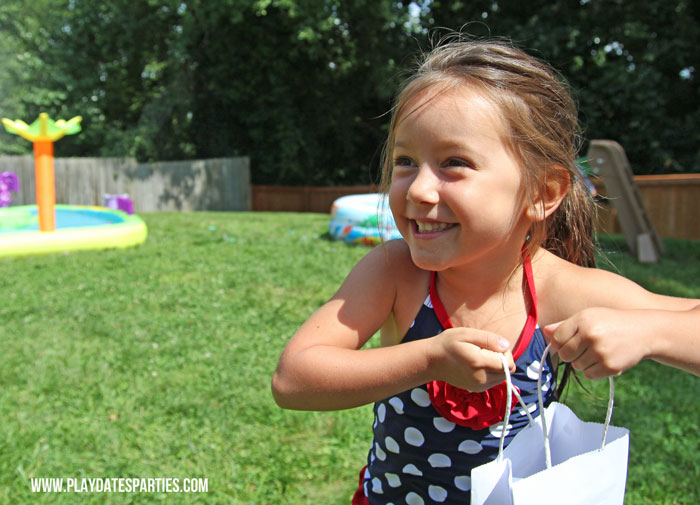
(560, 333)
(565, 340)
(599, 370)
(573, 350)
(486, 340)
(478, 357)
(549, 330)
(495, 361)
(484, 347)
(585, 361)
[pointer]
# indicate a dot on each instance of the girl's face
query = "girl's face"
(456, 190)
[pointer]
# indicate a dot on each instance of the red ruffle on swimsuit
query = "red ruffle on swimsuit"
(479, 410)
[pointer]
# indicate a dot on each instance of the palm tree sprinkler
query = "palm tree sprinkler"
(43, 133)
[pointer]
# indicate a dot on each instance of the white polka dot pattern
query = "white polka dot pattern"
(397, 404)
(420, 397)
(443, 425)
(392, 479)
(414, 499)
(533, 370)
(381, 455)
(545, 386)
(411, 469)
(437, 493)
(497, 429)
(463, 482)
(414, 437)
(470, 447)
(439, 460)
(381, 412)
(392, 445)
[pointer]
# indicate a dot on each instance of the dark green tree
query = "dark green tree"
(297, 85)
(302, 86)
(106, 61)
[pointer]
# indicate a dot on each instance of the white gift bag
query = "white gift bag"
(587, 463)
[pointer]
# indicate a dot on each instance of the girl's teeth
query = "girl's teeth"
(428, 227)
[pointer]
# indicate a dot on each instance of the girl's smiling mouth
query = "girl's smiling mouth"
(427, 227)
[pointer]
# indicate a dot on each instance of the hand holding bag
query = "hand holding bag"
(578, 469)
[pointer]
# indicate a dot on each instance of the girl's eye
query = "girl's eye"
(459, 163)
(403, 161)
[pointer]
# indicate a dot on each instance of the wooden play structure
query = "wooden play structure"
(607, 159)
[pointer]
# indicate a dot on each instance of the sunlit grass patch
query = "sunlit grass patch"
(156, 362)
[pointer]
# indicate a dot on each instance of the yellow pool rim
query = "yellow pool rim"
(131, 232)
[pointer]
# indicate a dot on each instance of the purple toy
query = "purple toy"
(119, 202)
(8, 182)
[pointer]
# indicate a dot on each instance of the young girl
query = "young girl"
(496, 243)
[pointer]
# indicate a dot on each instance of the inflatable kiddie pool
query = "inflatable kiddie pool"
(77, 228)
(362, 219)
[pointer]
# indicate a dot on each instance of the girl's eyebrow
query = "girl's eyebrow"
(462, 146)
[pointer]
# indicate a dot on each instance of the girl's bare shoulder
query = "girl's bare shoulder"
(410, 285)
(387, 268)
(563, 288)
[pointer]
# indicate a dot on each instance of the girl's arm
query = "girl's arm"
(324, 368)
(621, 324)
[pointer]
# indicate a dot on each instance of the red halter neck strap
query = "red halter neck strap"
(530, 322)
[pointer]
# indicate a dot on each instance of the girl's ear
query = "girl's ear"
(554, 190)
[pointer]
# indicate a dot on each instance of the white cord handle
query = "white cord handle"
(608, 415)
(511, 391)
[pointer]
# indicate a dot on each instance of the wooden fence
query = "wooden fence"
(672, 201)
(302, 198)
(213, 184)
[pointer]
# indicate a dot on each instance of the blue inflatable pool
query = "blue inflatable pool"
(362, 219)
(77, 228)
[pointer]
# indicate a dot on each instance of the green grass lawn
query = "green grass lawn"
(156, 361)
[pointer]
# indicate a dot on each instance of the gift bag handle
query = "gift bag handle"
(511, 392)
(608, 414)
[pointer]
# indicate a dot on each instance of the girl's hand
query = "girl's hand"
(600, 341)
(470, 359)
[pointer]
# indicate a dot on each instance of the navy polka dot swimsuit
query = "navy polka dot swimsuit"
(418, 457)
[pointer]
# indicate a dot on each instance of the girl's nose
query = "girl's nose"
(424, 187)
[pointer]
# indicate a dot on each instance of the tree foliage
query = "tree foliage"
(632, 65)
(298, 85)
(302, 86)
